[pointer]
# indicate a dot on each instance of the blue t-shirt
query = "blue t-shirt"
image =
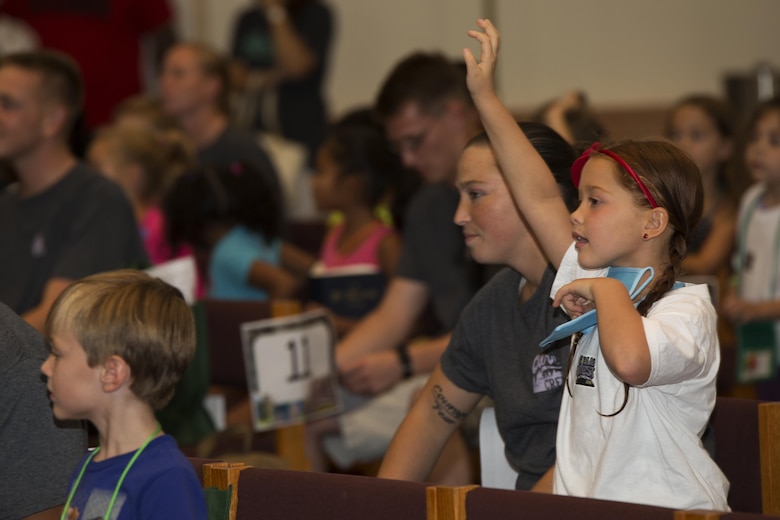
(160, 484)
(232, 259)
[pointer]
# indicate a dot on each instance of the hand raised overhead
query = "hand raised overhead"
(480, 74)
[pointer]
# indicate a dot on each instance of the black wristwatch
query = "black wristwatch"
(406, 362)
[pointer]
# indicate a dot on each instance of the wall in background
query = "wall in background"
(623, 53)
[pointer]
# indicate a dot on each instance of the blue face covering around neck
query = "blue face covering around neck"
(631, 277)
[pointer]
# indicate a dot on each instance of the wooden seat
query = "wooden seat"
(271, 493)
(478, 503)
(737, 452)
(769, 441)
(747, 449)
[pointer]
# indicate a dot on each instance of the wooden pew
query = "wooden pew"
(747, 449)
(268, 493)
(714, 515)
(769, 442)
(477, 503)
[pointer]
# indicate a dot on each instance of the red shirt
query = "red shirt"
(103, 36)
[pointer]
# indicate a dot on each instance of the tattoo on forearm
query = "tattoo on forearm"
(444, 409)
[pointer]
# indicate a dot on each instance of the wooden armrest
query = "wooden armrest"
(222, 475)
(446, 502)
(769, 445)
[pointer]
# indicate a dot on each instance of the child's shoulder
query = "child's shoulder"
(686, 299)
(171, 489)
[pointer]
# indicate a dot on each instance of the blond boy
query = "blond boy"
(120, 342)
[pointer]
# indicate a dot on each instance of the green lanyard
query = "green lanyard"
(107, 516)
(742, 245)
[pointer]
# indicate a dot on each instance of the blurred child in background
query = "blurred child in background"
(231, 217)
(755, 297)
(144, 167)
(703, 127)
(355, 169)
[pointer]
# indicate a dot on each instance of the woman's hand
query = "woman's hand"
(480, 74)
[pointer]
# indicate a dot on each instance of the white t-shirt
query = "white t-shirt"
(761, 264)
(757, 260)
(651, 452)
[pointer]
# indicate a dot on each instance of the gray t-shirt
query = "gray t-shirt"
(38, 455)
(82, 225)
(495, 351)
(435, 254)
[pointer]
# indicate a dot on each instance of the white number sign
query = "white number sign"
(290, 369)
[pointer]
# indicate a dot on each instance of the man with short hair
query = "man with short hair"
(194, 89)
(61, 221)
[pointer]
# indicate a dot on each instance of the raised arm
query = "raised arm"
(530, 180)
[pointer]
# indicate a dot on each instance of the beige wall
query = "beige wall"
(622, 52)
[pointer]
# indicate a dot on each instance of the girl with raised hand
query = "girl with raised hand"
(641, 375)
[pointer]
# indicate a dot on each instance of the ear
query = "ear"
(115, 374)
(54, 120)
(456, 112)
(657, 222)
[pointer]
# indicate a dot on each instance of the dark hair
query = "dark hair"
(740, 178)
(237, 194)
(61, 78)
(426, 79)
(360, 150)
(402, 182)
(770, 105)
(585, 127)
(554, 150)
(718, 110)
(674, 181)
(722, 116)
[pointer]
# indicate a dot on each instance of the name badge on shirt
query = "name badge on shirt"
(756, 351)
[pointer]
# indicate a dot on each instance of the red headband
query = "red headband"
(579, 164)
